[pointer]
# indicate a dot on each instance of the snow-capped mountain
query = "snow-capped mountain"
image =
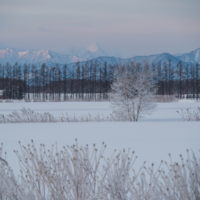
(101, 61)
(92, 51)
(155, 59)
(49, 57)
(35, 57)
(192, 57)
(92, 54)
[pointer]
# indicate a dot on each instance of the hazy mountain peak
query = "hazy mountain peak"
(5, 52)
(197, 53)
(23, 53)
(92, 52)
(92, 48)
(191, 57)
(45, 54)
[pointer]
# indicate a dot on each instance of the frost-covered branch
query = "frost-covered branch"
(132, 92)
(190, 114)
(26, 115)
(89, 173)
(9, 187)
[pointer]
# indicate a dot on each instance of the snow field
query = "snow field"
(159, 133)
(162, 112)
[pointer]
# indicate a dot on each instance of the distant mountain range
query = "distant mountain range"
(92, 54)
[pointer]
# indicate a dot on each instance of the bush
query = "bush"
(9, 187)
(26, 115)
(165, 98)
(86, 173)
(181, 181)
(190, 114)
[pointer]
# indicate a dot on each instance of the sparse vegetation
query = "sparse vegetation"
(190, 114)
(165, 98)
(87, 173)
(26, 115)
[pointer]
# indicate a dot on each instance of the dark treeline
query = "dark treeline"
(58, 83)
(182, 80)
(89, 81)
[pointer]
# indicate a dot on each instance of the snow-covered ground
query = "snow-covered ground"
(156, 135)
(162, 112)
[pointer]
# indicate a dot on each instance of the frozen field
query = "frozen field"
(159, 133)
(162, 112)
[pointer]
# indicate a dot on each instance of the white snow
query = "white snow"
(162, 112)
(159, 133)
(22, 53)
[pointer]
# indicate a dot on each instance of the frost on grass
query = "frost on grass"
(85, 173)
(182, 180)
(26, 115)
(9, 187)
(190, 114)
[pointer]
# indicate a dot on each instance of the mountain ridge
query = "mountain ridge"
(50, 58)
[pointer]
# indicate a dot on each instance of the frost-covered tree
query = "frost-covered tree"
(132, 92)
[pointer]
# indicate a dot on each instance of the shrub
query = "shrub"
(9, 187)
(86, 173)
(190, 114)
(26, 115)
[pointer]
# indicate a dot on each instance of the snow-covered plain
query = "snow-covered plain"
(157, 134)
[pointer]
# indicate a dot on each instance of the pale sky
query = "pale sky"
(127, 27)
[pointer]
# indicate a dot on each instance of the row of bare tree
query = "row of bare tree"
(90, 81)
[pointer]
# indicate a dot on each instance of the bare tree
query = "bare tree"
(132, 92)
